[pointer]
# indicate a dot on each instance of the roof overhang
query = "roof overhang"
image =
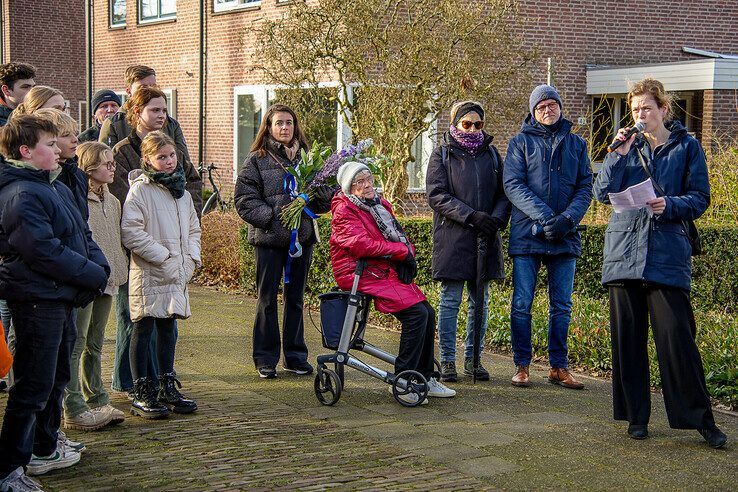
(692, 75)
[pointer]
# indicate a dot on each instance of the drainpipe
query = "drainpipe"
(88, 18)
(201, 107)
(2, 31)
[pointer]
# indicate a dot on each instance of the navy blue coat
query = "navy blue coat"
(46, 247)
(655, 249)
(464, 184)
(546, 174)
(76, 180)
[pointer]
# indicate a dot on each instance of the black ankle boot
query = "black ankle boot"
(144, 402)
(170, 396)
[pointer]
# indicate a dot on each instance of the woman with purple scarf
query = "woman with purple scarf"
(464, 189)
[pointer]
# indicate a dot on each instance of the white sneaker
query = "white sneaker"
(410, 398)
(116, 416)
(88, 420)
(18, 481)
(73, 445)
(63, 457)
(439, 390)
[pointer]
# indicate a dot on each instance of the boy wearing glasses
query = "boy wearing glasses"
(548, 179)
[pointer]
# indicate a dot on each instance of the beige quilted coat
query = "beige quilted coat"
(163, 235)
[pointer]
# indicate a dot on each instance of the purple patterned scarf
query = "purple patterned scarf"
(470, 142)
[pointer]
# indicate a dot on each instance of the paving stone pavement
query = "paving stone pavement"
(263, 435)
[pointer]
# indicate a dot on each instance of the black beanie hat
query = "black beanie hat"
(466, 108)
(104, 95)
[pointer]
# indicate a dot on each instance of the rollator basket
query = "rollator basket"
(333, 307)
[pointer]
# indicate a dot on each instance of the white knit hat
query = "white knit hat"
(347, 172)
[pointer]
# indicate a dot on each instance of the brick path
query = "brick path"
(255, 434)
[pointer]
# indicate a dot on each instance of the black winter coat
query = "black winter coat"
(92, 134)
(260, 196)
(46, 246)
(4, 114)
(465, 184)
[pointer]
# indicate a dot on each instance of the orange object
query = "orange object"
(6, 358)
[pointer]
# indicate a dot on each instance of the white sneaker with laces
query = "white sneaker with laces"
(410, 398)
(63, 457)
(18, 481)
(73, 445)
(439, 390)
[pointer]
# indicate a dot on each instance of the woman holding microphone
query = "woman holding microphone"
(647, 267)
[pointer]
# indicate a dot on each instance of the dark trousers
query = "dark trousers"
(166, 340)
(45, 334)
(417, 339)
(682, 377)
(270, 264)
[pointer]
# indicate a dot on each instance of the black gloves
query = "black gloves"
(485, 223)
(84, 297)
(557, 227)
(407, 269)
(323, 193)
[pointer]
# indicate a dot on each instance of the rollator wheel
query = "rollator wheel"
(327, 386)
(437, 365)
(416, 385)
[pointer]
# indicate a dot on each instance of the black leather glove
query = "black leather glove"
(84, 297)
(323, 194)
(407, 269)
(557, 227)
(484, 222)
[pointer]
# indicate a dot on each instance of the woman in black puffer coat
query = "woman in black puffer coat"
(262, 190)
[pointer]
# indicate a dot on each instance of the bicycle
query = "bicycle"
(214, 201)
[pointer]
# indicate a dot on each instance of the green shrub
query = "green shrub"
(714, 294)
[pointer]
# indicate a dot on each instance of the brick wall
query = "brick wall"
(721, 121)
(575, 34)
(56, 50)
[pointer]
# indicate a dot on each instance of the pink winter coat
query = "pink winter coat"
(355, 235)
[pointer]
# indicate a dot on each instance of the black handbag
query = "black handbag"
(693, 235)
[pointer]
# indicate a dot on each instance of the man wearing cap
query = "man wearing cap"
(105, 103)
(548, 179)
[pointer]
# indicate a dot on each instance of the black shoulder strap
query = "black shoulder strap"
(656, 186)
(447, 167)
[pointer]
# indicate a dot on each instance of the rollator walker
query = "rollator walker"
(343, 318)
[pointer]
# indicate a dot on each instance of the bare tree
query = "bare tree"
(397, 64)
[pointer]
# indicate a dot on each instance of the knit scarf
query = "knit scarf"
(174, 182)
(388, 225)
(470, 142)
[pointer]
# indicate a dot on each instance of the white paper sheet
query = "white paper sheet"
(633, 197)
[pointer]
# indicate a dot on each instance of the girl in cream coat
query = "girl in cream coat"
(161, 229)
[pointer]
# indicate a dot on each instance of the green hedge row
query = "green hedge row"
(715, 298)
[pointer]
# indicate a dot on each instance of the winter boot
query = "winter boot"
(170, 396)
(144, 402)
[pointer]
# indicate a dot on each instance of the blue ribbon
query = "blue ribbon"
(290, 186)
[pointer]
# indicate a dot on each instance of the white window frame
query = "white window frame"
(264, 93)
(158, 18)
(112, 24)
(229, 5)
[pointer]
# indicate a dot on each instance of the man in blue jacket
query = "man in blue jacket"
(49, 266)
(548, 179)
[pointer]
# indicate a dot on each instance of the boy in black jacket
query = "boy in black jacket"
(50, 264)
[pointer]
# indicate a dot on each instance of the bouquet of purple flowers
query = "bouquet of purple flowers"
(363, 152)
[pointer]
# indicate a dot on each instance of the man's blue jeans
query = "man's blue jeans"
(448, 312)
(560, 286)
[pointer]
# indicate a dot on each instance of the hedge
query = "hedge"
(714, 294)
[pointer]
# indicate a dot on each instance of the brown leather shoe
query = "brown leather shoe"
(562, 377)
(522, 377)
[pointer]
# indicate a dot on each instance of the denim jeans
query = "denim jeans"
(45, 334)
(85, 389)
(560, 286)
(448, 312)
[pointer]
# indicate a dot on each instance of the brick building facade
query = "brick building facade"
(586, 40)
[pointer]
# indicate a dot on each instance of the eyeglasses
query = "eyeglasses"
(363, 182)
(478, 125)
(550, 106)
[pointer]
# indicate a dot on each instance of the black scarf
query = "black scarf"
(174, 182)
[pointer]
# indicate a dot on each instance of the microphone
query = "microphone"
(638, 128)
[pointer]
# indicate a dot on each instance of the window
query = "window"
(117, 13)
(225, 5)
(422, 149)
(249, 107)
(154, 10)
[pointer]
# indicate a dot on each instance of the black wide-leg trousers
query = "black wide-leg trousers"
(669, 309)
